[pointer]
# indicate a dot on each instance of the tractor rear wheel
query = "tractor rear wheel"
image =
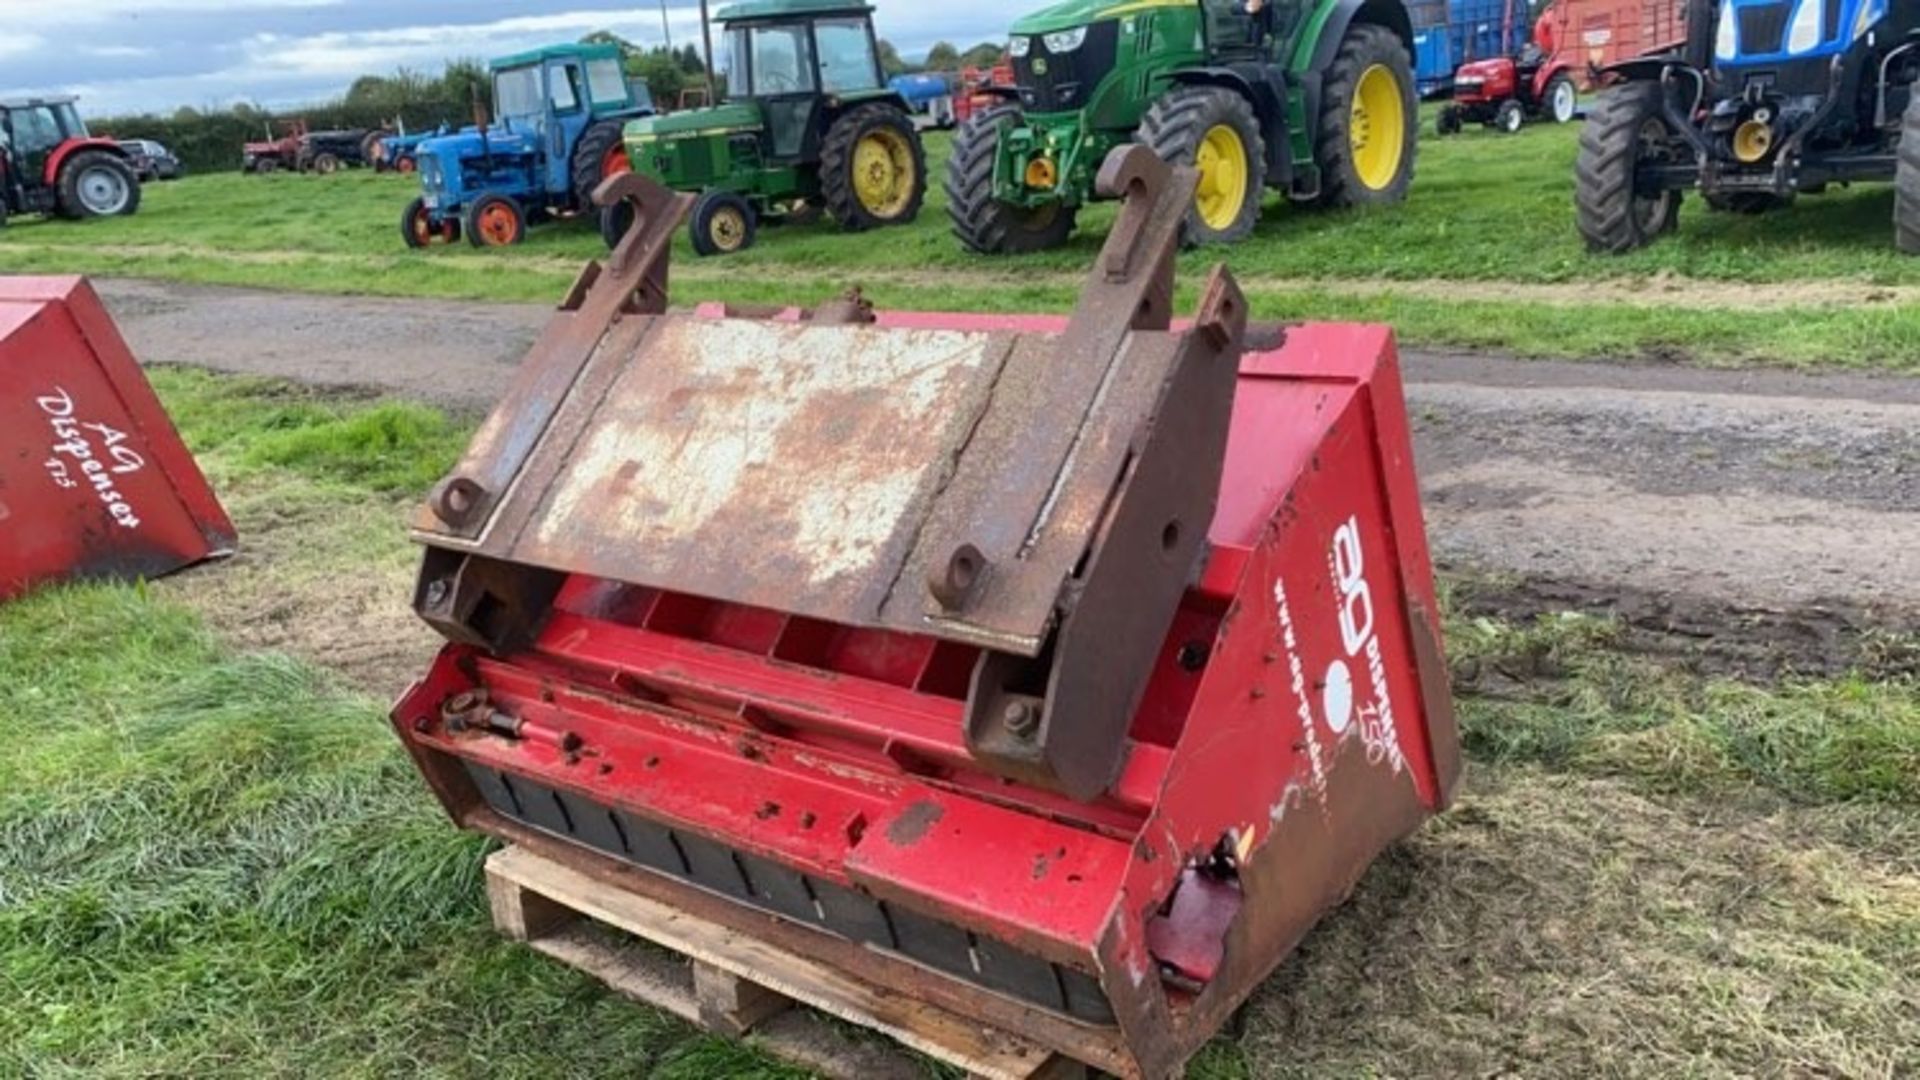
(1510, 117)
(1906, 179)
(982, 222)
(417, 227)
(873, 170)
(94, 183)
(495, 221)
(1561, 100)
(326, 164)
(1214, 130)
(1625, 129)
(722, 223)
(600, 155)
(1369, 121)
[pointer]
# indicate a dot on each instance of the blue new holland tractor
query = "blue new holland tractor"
(1767, 101)
(554, 136)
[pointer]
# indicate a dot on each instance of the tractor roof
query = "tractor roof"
(781, 9)
(1071, 13)
(569, 51)
(36, 102)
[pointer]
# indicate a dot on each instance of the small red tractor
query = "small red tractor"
(271, 154)
(49, 164)
(1503, 92)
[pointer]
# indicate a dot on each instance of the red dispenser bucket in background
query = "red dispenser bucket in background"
(94, 480)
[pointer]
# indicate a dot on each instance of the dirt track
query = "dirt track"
(1780, 512)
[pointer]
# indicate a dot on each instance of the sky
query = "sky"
(126, 56)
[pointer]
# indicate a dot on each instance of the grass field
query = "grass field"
(1483, 255)
(216, 861)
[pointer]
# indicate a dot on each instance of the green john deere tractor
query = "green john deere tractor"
(1314, 98)
(809, 124)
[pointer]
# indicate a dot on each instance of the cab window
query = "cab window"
(782, 61)
(34, 130)
(737, 85)
(564, 83)
(517, 92)
(606, 84)
(847, 61)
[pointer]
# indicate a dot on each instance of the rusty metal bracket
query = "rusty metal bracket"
(1060, 719)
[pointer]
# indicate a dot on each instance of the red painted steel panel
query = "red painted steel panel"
(94, 481)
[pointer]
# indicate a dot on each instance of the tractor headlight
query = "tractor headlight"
(1870, 15)
(1804, 32)
(1725, 45)
(1019, 47)
(1065, 41)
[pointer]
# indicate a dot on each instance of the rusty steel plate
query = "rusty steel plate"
(820, 470)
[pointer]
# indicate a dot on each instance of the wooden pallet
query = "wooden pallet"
(737, 986)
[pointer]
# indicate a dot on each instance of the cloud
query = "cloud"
(20, 44)
(288, 53)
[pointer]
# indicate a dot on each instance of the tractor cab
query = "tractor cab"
(50, 163)
(553, 137)
(791, 66)
(809, 123)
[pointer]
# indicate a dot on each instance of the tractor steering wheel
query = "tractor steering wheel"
(774, 80)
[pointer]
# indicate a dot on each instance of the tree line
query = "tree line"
(210, 140)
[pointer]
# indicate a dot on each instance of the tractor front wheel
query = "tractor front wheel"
(723, 223)
(419, 230)
(1906, 178)
(1369, 121)
(873, 170)
(600, 155)
(94, 183)
(1448, 122)
(495, 221)
(1213, 130)
(1625, 129)
(982, 222)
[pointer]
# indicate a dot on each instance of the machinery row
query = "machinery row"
(1749, 103)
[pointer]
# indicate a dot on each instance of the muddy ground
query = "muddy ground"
(1769, 521)
(1753, 524)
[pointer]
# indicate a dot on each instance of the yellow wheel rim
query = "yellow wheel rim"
(1222, 161)
(727, 229)
(883, 173)
(1378, 127)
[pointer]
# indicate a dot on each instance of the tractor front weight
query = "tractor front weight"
(1041, 163)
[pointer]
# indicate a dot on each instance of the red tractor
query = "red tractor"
(1503, 92)
(49, 164)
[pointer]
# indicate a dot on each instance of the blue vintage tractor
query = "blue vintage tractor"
(1768, 100)
(554, 136)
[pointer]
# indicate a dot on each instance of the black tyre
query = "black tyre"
(615, 220)
(873, 170)
(94, 183)
(1560, 101)
(1214, 130)
(326, 164)
(1624, 129)
(981, 222)
(1906, 179)
(723, 223)
(373, 150)
(266, 165)
(600, 153)
(494, 221)
(1509, 117)
(418, 229)
(1369, 121)
(1448, 122)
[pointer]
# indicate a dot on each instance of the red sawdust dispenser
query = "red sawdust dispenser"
(1058, 673)
(94, 481)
